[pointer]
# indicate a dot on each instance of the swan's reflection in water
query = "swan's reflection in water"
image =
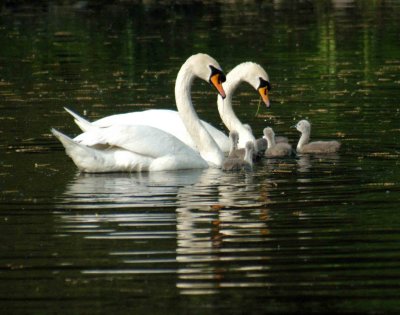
(204, 229)
(210, 239)
(120, 190)
(214, 216)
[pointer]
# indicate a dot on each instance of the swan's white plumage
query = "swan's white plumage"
(170, 121)
(126, 148)
(145, 148)
(163, 119)
(251, 73)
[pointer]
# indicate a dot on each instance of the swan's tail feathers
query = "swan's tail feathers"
(82, 123)
(66, 141)
(85, 158)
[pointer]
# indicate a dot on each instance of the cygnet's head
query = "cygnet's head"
(208, 69)
(268, 133)
(234, 136)
(303, 126)
(250, 146)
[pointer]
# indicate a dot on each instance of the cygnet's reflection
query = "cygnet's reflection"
(305, 161)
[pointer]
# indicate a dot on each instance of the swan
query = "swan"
(256, 76)
(170, 121)
(274, 149)
(233, 163)
(304, 146)
(130, 148)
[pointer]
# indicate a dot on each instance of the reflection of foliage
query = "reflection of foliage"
(97, 54)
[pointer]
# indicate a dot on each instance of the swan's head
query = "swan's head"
(303, 126)
(268, 133)
(207, 68)
(256, 76)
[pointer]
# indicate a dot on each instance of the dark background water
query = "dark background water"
(313, 234)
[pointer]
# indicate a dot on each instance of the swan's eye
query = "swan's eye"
(264, 84)
(216, 72)
(216, 79)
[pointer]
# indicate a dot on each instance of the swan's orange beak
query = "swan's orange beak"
(264, 95)
(216, 80)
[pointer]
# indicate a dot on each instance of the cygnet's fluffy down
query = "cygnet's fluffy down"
(304, 146)
(234, 152)
(262, 143)
(275, 149)
(233, 163)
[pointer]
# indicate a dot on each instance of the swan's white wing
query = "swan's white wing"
(92, 160)
(166, 120)
(114, 158)
(143, 140)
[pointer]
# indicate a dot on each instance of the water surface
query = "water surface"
(310, 234)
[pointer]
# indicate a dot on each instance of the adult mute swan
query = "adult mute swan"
(304, 146)
(256, 76)
(130, 148)
(170, 121)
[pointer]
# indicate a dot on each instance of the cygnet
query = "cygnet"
(275, 149)
(262, 143)
(234, 152)
(304, 146)
(238, 164)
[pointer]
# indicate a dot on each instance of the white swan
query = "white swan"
(256, 76)
(170, 121)
(145, 148)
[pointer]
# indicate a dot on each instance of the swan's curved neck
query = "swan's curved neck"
(304, 139)
(228, 116)
(206, 145)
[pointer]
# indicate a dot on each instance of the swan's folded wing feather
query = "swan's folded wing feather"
(143, 140)
(167, 120)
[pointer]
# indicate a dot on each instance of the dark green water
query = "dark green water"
(314, 234)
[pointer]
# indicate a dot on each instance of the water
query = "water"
(313, 234)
